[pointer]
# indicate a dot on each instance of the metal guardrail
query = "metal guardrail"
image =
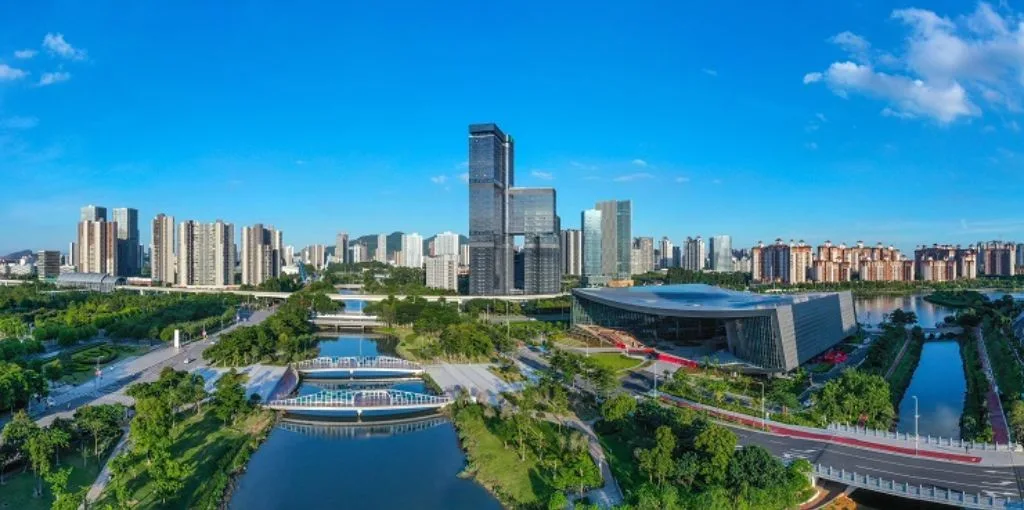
(917, 492)
(360, 399)
(923, 440)
(357, 362)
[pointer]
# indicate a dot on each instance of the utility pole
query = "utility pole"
(917, 416)
(764, 416)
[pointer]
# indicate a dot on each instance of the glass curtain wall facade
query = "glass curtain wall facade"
(490, 177)
(721, 253)
(533, 217)
(129, 251)
(592, 243)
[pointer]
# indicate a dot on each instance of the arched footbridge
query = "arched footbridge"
(356, 366)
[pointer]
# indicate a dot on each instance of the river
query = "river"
(318, 465)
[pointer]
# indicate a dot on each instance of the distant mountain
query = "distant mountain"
(14, 256)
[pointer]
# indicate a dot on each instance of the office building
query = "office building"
(593, 267)
(446, 243)
(93, 213)
(315, 255)
(572, 252)
(695, 254)
(206, 254)
(72, 257)
(781, 263)
(442, 272)
(262, 256)
(412, 250)
(358, 253)
(720, 254)
(498, 212)
(773, 333)
(162, 257)
(129, 251)
(667, 249)
(942, 263)
(341, 248)
(48, 264)
(616, 237)
(97, 247)
(289, 255)
(998, 258)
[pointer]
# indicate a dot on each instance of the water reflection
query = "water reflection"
(871, 309)
(939, 385)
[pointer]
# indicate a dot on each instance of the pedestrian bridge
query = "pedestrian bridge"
(356, 366)
(360, 402)
(347, 321)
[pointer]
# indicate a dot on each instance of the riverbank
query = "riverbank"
(902, 370)
(956, 298)
(974, 419)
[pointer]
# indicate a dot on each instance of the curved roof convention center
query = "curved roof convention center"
(692, 300)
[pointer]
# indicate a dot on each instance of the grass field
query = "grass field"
(82, 366)
(615, 361)
(206, 443)
(16, 493)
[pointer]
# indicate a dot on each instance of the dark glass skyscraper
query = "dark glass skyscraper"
(498, 212)
(129, 251)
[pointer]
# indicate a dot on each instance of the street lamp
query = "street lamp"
(917, 436)
(764, 417)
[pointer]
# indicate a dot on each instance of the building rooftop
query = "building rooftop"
(691, 299)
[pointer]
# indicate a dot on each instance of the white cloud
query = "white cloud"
(19, 123)
(709, 72)
(439, 179)
(51, 78)
(633, 177)
(945, 65)
(464, 177)
(8, 73)
(811, 127)
(582, 166)
(821, 117)
(300, 162)
(889, 112)
(716, 181)
(56, 45)
(546, 176)
(682, 179)
(812, 146)
(640, 163)
(25, 54)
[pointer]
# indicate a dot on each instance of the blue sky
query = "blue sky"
(875, 121)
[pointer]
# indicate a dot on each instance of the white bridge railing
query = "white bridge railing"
(923, 440)
(357, 362)
(360, 399)
(918, 492)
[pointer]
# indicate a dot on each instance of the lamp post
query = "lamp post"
(917, 416)
(764, 417)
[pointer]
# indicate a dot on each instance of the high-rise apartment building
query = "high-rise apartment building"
(998, 258)
(261, 254)
(72, 258)
(289, 255)
(412, 250)
(48, 264)
(720, 254)
(498, 212)
(572, 252)
(593, 267)
(93, 213)
(616, 237)
(162, 258)
(446, 243)
(781, 262)
(666, 253)
(380, 254)
(129, 251)
(464, 255)
(315, 255)
(341, 248)
(946, 262)
(357, 252)
(642, 256)
(695, 254)
(206, 254)
(442, 272)
(97, 247)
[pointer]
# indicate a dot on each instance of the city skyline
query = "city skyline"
(676, 138)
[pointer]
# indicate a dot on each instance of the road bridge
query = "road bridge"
(360, 402)
(261, 294)
(347, 321)
(355, 366)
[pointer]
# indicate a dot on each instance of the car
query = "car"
(188, 360)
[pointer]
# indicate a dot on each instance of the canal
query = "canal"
(324, 465)
(938, 382)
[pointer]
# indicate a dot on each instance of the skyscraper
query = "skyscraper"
(72, 258)
(694, 255)
(381, 253)
(446, 243)
(48, 264)
(129, 251)
(341, 251)
(572, 252)
(315, 255)
(498, 212)
(261, 254)
(162, 258)
(97, 247)
(643, 255)
(721, 253)
(93, 213)
(412, 250)
(593, 267)
(666, 253)
(490, 177)
(206, 253)
(616, 237)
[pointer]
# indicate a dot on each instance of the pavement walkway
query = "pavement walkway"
(104, 477)
(1000, 429)
(472, 377)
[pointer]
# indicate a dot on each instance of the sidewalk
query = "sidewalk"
(610, 495)
(1000, 429)
(104, 477)
(953, 453)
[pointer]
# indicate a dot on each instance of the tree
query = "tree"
(17, 431)
(618, 408)
(150, 428)
(62, 499)
(715, 445)
(193, 390)
(53, 370)
(558, 501)
(753, 466)
(58, 438)
(229, 397)
(657, 461)
(102, 421)
(856, 397)
(1016, 417)
(40, 448)
(168, 477)
(119, 470)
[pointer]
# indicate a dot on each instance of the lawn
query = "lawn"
(212, 448)
(16, 493)
(81, 366)
(615, 361)
(619, 452)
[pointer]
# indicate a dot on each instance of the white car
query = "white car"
(188, 360)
